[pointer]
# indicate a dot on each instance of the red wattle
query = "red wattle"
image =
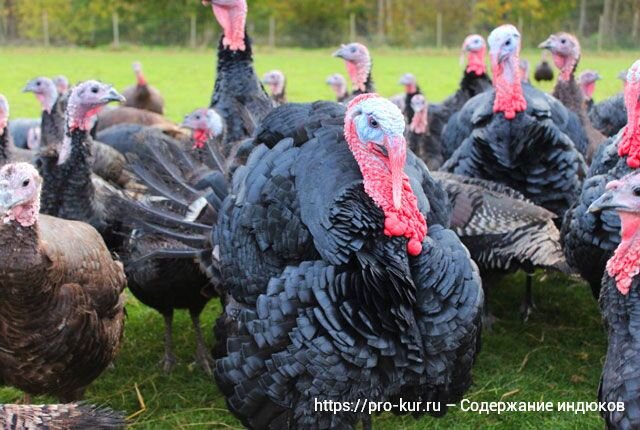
(629, 144)
(200, 138)
(509, 98)
(475, 62)
(623, 266)
(414, 247)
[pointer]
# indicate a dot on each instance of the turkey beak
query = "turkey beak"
(547, 44)
(397, 149)
(7, 199)
(341, 53)
(611, 199)
(29, 88)
(113, 96)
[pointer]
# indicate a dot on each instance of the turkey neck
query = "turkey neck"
(53, 123)
(234, 77)
(78, 191)
(509, 98)
(407, 103)
(22, 266)
(569, 93)
(625, 263)
(361, 78)
(475, 62)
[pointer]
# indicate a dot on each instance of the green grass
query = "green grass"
(556, 356)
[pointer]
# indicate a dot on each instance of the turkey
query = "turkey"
(518, 136)
(62, 304)
(338, 84)
(474, 81)
(411, 88)
(238, 95)
(362, 307)
(587, 81)
(503, 231)
(590, 238)
(142, 95)
(422, 142)
(8, 151)
(619, 301)
(71, 191)
(277, 83)
(543, 71)
(158, 272)
(358, 63)
(315, 212)
(130, 115)
(565, 51)
(62, 84)
(74, 416)
(106, 162)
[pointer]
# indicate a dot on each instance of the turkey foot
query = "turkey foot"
(203, 358)
(169, 360)
(528, 306)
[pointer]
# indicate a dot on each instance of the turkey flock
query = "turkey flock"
(351, 244)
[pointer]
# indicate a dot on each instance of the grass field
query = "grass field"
(556, 356)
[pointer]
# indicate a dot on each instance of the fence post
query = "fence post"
(439, 30)
(192, 42)
(636, 22)
(601, 31)
(352, 27)
(272, 31)
(45, 27)
(380, 21)
(520, 24)
(116, 30)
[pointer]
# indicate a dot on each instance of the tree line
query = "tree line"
(315, 23)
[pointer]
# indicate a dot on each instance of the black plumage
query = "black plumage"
(320, 302)
(538, 153)
(589, 239)
(609, 115)
(503, 231)
(470, 86)
(238, 95)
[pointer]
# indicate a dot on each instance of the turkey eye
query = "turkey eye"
(25, 183)
(373, 123)
(353, 49)
(508, 42)
(94, 90)
(636, 192)
(38, 83)
(197, 116)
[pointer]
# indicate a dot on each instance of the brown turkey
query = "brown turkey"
(565, 51)
(142, 95)
(74, 416)
(105, 162)
(131, 115)
(61, 295)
